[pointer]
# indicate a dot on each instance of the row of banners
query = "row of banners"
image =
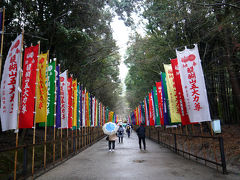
(179, 98)
(47, 96)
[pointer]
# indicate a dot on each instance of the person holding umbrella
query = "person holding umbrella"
(110, 129)
(111, 142)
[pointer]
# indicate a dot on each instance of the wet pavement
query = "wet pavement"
(128, 162)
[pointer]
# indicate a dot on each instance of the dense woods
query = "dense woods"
(79, 35)
(213, 25)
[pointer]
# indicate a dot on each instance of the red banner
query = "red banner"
(28, 87)
(181, 105)
(70, 102)
(160, 102)
(151, 120)
(135, 114)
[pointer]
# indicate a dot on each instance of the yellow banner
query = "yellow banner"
(110, 116)
(74, 84)
(172, 96)
(41, 101)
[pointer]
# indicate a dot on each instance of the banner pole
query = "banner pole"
(34, 124)
(204, 152)
(3, 19)
(214, 147)
(45, 134)
(55, 104)
(19, 97)
(67, 143)
(188, 141)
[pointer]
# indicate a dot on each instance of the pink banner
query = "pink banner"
(70, 102)
(160, 102)
(151, 119)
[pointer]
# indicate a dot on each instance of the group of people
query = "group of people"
(120, 132)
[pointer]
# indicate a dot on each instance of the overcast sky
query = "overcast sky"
(121, 34)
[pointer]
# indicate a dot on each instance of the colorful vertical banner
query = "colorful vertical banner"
(99, 114)
(153, 105)
(151, 120)
(193, 84)
(50, 94)
(58, 99)
(147, 101)
(90, 109)
(41, 99)
(146, 112)
(106, 114)
(10, 85)
(78, 106)
(166, 114)
(70, 102)
(93, 110)
(137, 116)
(83, 108)
(181, 105)
(160, 102)
(87, 109)
(26, 114)
(74, 86)
(155, 96)
(96, 113)
(172, 95)
(143, 113)
(64, 99)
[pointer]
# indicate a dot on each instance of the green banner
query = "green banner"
(157, 117)
(51, 94)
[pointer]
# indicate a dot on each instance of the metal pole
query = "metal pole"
(224, 168)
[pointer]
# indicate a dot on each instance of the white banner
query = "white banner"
(64, 99)
(10, 86)
(193, 85)
(83, 107)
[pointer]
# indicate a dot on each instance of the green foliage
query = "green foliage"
(176, 23)
(77, 33)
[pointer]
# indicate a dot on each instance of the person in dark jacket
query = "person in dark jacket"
(120, 133)
(141, 136)
(128, 128)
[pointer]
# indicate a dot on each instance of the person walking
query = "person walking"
(120, 134)
(141, 136)
(111, 142)
(128, 129)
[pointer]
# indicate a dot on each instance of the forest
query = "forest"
(79, 35)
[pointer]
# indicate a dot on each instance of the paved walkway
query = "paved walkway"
(128, 162)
